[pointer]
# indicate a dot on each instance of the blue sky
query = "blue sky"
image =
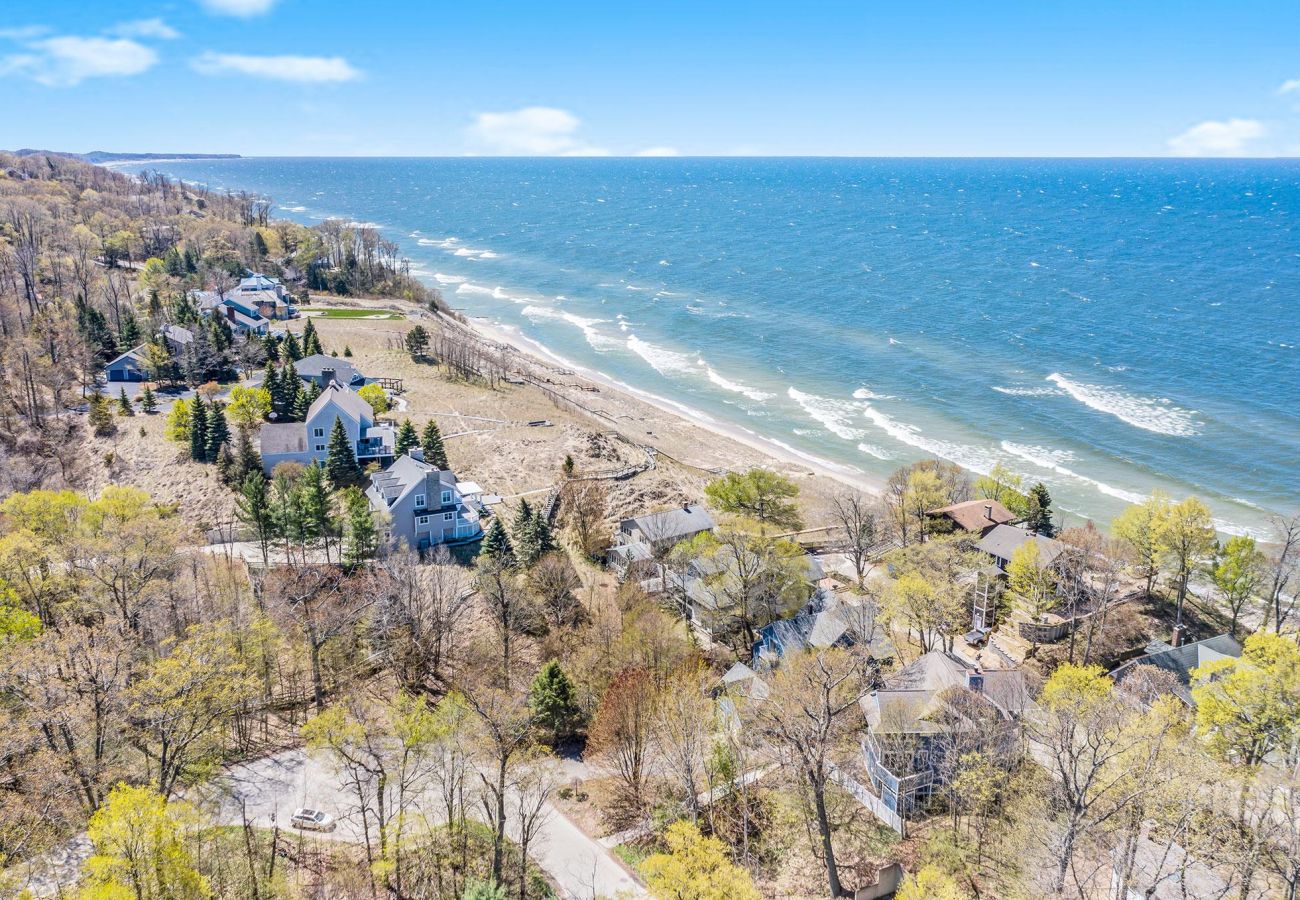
(908, 78)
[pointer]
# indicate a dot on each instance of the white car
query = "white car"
(312, 820)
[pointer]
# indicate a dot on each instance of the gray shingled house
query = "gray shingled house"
(424, 505)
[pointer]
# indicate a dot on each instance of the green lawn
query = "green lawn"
(335, 313)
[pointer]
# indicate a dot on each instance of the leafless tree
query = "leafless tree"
(861, 530)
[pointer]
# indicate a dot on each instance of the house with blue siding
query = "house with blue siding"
(303, 442)
(130, 366)
(424, 506)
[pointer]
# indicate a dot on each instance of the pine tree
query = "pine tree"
(198, 430)
(301, 401)
(431, 442)
(568, 467)
(417, 342)
(124, 404)
(521, 535)
(537, 537)
(226, 466)
(310, 340)
(271, 381)
(554, 702)
(363, 536)
(290, 349)
(407, 438)
(259, 247)
(341, 461)
(129, 333)
(247, 460)
(218, 431)
(314, 390)
(271, 347)
(99, 416)
(496, 546)
(347, 351)
(148, 402)
(1039, 519)
(314, 499)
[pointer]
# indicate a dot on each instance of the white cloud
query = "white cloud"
(145, 28)
(1217, 138)
(1290, 86)
(67, 61)
(301, 69)
(532, 131)
(23, 32)
(659, 151)
(242, 8)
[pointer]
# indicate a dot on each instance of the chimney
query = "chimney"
(327, 375)
(1176, 640)
(988, 511)
(416, 453)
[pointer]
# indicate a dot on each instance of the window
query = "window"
(320, 448)
(446, 497)
(447, 517)
(419, 501)
(421, 520)
(319, 432)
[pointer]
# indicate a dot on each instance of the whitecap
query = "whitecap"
(1054, 460)
(877, 452)
(1147, 413)
(976, 459)
(599, 342)
(836, 415)
(735, 386)
(1027, 391)
(449, 279)
(665, 362)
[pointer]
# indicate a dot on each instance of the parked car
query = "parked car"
(312, 820)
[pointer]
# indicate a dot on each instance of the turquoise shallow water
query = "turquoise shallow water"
(1106, 326)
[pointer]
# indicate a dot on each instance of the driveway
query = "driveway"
(270, 789)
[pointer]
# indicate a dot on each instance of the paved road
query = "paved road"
(273, 787)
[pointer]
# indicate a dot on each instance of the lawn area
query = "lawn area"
(338, 313)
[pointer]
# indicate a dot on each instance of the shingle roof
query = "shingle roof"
(912, 693)
(133, 353)
(975, 515)
(312, 367)
(1180, 661)
(177, 334)
(1003, 541)
(288, 437)
(673, 523)
(346, 399)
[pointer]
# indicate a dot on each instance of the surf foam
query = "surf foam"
(1147, 413)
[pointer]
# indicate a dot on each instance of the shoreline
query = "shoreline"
(629, 395)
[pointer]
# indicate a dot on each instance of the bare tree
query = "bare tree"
(1284, 562)
(421, 616)
(860, 526)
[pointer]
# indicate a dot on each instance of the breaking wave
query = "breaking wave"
(836, 415)
(975, 459)
(1053, 461)
(665, 362)
(1147, 413)
(600, 342)
(735, 386)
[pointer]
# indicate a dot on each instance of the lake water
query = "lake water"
(1105, 326)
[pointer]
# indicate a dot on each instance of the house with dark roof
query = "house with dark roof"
(927, 714)
(973, 516)
(303, 442)
(1002, 541)
(322, 369)
(1181, 661)
(829, 620)
(640, 538)
(130, 366)
(177, 338)
(423, 505)
(707, 589)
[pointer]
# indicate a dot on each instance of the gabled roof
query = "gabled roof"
(975, 515)
(287, 437)
(1004, 540)
(258, 282)
(914, 693)
(133, 353)
(177, 334)
(312, 367)
(683, 521)
(404, 476)
(1180, 661)
(345, 399)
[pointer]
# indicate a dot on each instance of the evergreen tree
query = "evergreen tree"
(417, 342)
(314, 390)
(407, 438)
(301, 402)
(222, 336)
(155, 305)
(226, 466)
(247, 460)
(317, 517)
(148, 402)
(347, 351)
(431, 442)
(310, 340)
(259, 247)
(174, 264)
(363, 536)
(198, 430)
(290, 349)
(191, 262)
(554, 702)
(129, 333)
(496, 546)
(1039, 519)
(341, 460)
(99, 416)
(271, 347)
(124, 404)
(271, 381)
(218, 431)
(521, 535)
(537, 538)
(286, 509)
(184, 310)
(568, 467)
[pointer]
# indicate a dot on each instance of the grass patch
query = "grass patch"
(633, 855)
(339, 313)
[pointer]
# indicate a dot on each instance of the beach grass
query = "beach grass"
(338, 313)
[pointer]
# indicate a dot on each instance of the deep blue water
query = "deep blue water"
(1106, 326)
